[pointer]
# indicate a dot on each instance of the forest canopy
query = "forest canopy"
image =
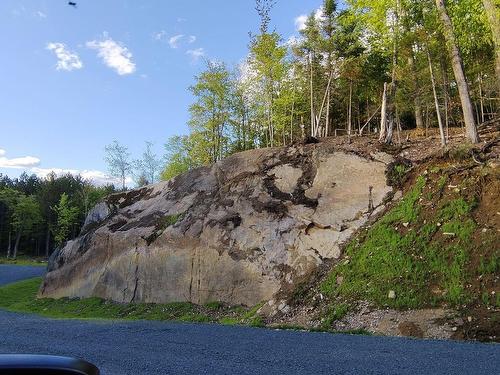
(357, 67)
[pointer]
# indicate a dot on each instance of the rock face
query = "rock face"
(240, 232)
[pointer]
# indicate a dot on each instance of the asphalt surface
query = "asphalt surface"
(173, 348)
(11, 273)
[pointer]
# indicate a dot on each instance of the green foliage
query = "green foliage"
(214, 305)
(41, 195)
(67, 219)
(170, 220)
(334, 313)
(210, 114)
(178, 157)
(26, 214)
(490, 266)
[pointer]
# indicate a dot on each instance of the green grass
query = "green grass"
(24, 261)
(170, 220)
(409, 258)
(490, 266)
(21, 297)
(335, 313)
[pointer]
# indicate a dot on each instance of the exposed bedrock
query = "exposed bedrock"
(239, 232)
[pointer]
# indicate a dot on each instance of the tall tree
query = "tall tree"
(178, 158)
(67, 219)
(26, 215)
(118, 160)
(492, 9)
(458, 69)
(267, 59)
(210, 113)
(149, 165)
(8, 201)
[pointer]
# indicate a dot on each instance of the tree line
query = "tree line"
(372, 66)
(39, 214)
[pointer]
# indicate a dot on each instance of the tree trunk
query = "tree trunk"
(313, 125)
(47, 242)
(16, 245)
(349, 112)
(328, 101)
(390, 107)
(9, 246)
(383, 115)
(436, 101)
(458, 70)
(318, 118)
(493, 14)
(481, 102)
(446, 94)
(291, 118)
(416, 100)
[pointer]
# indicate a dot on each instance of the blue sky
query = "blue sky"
(73, 80)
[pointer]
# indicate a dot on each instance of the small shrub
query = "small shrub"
(214, 305)
(335, 313)
(397, 172)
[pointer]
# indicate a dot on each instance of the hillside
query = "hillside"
(314, 235)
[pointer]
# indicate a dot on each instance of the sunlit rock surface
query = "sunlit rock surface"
(240, 232)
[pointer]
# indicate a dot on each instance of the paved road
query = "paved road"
(10, 273)
(172, 348)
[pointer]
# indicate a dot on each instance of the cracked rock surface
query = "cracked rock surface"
(240, 232)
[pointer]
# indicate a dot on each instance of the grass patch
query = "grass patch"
(490, 266)
(24, 261)
(170, 220)
(334, 313)
(403, 253)
(21, 297)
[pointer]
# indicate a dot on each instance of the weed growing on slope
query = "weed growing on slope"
(334, 313)
(421, 257)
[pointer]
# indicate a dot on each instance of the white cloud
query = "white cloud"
(40, 14)
(18, 163)
(174, 41)
(66, 59)
(31, 163)
(114, 54)
(196, 53)
(300, 22)
(192, 39)
(160, 35)
(95, 176)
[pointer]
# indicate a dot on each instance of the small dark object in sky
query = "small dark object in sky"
(72, 3)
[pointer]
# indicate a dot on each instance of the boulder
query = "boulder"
(241, 231)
